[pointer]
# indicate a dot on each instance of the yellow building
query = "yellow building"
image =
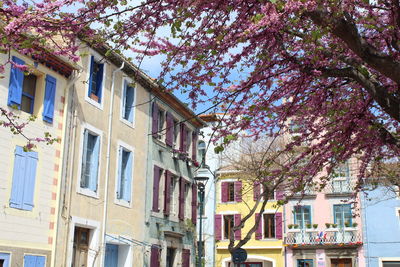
(234, 199)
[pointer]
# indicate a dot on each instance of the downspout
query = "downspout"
(110, 115)
(284, 233)
(68, 138)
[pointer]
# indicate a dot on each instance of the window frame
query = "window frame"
(127, 81)
(304, 226)
(264, 228)
(342, 214)
(201, 152)
(97, 58)
(223, 225)
(31, 97)
(128, 148)
(79, 189)
(383, 259)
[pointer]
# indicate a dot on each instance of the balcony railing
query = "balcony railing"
(340, 186)
(329, 237)
(305, 193)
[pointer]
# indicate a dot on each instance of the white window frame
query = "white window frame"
(121, 117)
(381, 260)
(116, 240)
(98, 58)
(129, 148)
(79, 189)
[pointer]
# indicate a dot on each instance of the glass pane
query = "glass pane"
(1, 263)
(27, 104)
(29, 85)
(391, 264)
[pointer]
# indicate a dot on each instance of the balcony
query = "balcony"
(340, 186)
(331, 237)
(308, 192)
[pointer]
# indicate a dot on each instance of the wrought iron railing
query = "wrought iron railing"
(315, 237)
(340, 186)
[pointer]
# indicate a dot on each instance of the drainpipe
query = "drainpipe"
(284, 233)
(67, 139)
(110, 115)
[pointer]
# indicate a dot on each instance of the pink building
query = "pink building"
(322, 229)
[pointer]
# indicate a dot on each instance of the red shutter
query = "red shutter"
(167, 193)
(155, 256)
(238, 233)
(256, 190)
(156, 187)
(181, 214)
(181, 137)
(238, 191)
(278, 225)
(154, 129)
(194, 203)
(224, 192)
(185, 258)
(169, 140)
(218, 226)
(259, 228)
(194, 146)
(279, 195)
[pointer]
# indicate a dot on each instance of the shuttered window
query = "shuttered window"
(24, 175)
(124, 182)
(128, 102)
(90, 161)
(231, 191)
(95, 80)
(34, 261)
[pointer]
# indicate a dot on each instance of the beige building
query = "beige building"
(30, 180)
(104, 169)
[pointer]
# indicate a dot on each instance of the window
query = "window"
(305, 263)
(170, 257)
(80, 247)
(128, 102)
(231, 192)
(342, 215)
(22, 91)
(269, 225)
(202, 153)
(95, 80)
(302, 215)
(228, 225)
(111, 257)
(4, 260)
(90, 161)
(341, 263)
(24, 175)
(124, 181)
(342, 170)
(160, 122)
(390, 263)
(34, 261)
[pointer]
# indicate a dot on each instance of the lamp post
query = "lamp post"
(201, 182)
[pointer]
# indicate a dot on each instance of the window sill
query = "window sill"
(94, 103)
(88, 193)
(128, 123)
(123, 203)
(269, 239)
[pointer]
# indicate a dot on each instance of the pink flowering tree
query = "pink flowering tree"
(325, 73)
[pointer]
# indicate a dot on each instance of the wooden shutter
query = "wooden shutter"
(34, 261)
(154, 126)
(155, 256)
(238, 191)
(185, 258)
(49, 97)
(169, 140)
(17, 189)
(259, 228)
(238, 233)
(119, 180)
(194, 146)
(94, 165)
(181, 214)
(194, 203)
(218, 226)
(256, 190)
(278, 225)
(91, 75)
(16, 82)
(128, 178)
(167, 192)
(156, 187)
(224, 191)
(99, 82)
(30, 178)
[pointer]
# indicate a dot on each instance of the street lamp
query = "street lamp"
(201, 182)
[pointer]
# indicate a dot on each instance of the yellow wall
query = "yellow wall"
(268, 248)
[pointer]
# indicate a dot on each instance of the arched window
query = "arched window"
(202, 152)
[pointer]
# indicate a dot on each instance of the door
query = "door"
(341, 263)
(111, 259)
(81, 247)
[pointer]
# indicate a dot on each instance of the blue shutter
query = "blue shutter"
(130, 94)
(16, 83)
(94, 165)
(128, 178)
(30, 177)
(91, 75)
(34, 261)
(6, 259)
(40, 261)
(49, 96)
(17, 189)
(111, 259)
(119, 173)
(84, 158)
(99, 82)
(124, 99)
